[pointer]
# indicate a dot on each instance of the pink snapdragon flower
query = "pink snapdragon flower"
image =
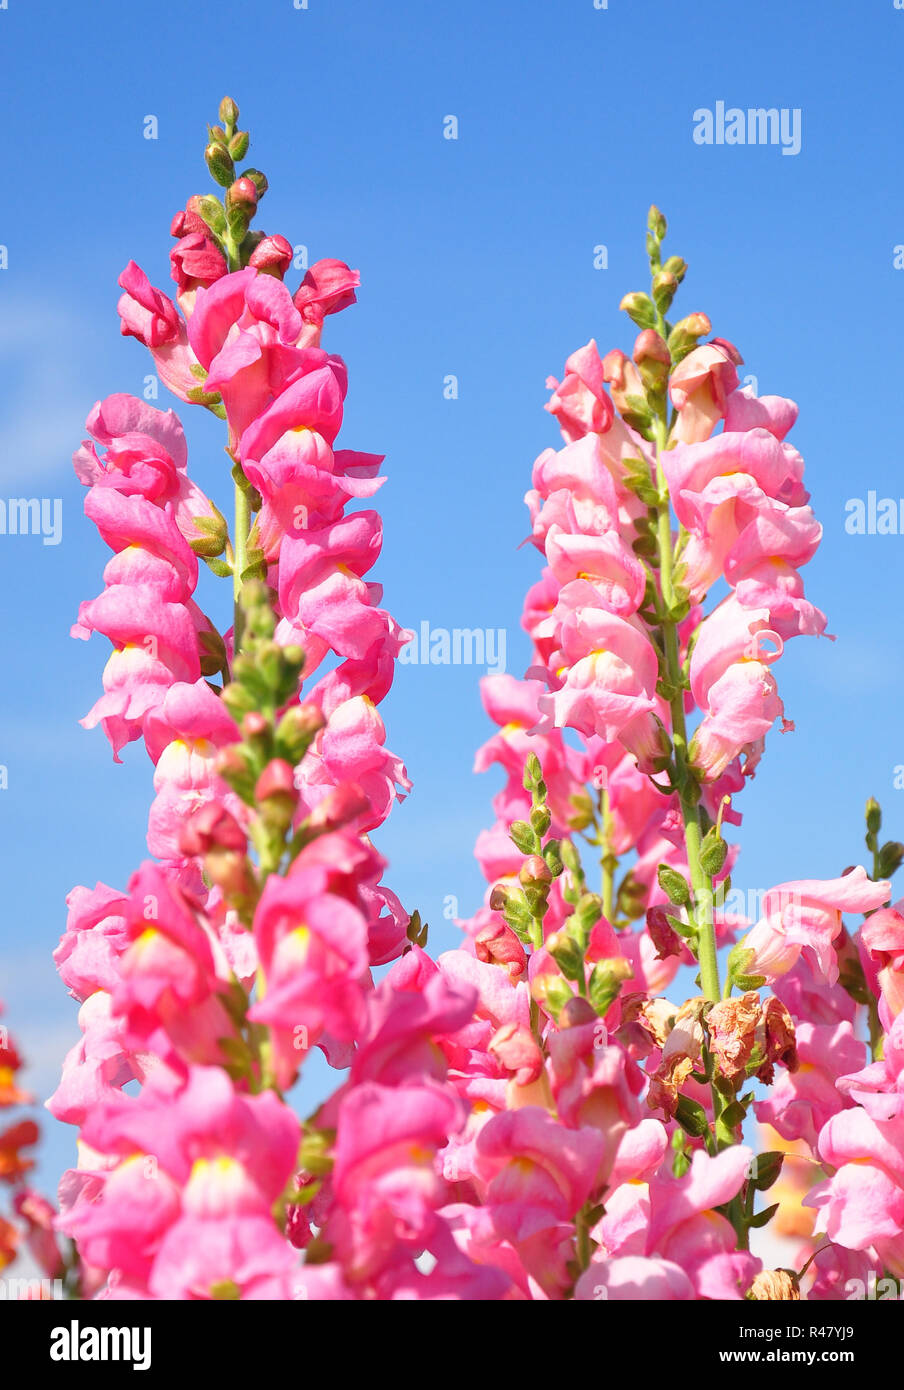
(146, 456)
(879, 1086)
(386, 1185)
(182, 1207)
(151, 316)
(580, 401)
(700, 386)
(312, 945)
(805, 915)
(862, 1204)
(801, 1102)
(674, 1219)
(882, 935)
(606, 672)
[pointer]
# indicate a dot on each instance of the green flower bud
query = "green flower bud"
(221, 167)
(639, 307)
(229, 112)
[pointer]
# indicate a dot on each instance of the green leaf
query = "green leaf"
(692, 1117)
(221, 568)
(524, 837)
(763, 1218)
(768, 1168)
(890, 857)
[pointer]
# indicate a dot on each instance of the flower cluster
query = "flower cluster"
(643, 711)
(250, 937)
(540, 1113)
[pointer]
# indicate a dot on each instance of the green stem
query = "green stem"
(700, 881)
(583, 1240)
(608, 860)
(240, 562)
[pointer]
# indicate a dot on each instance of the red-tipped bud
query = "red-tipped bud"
(652, 358)
(650, 347)
(273, 255)
(622, 377)
(242, 194)
(515, 1048)
(535, 872)
(186, 221)
(254, 724)
(497, 944)
(277, 779)
(211, 826)
(577, 1012)
(339, 807)
(729, 349)
(498, 898)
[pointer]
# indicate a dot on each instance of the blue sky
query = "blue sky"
(477, 259)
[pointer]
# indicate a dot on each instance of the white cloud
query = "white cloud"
(45, 351)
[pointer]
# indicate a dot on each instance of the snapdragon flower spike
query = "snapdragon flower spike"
(177, 1200)
(252, 940)
(157, 522)
(667, 704)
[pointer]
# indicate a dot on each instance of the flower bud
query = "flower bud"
(213, 533)
(242, 194)
(277, 795)
(258, 179)
(238, 145)
(582, 815)
(685, 334)
(229, 112)
(566, 954)
(515, 1048)
(276, 780)
(577, 1012)
(497, 944)
(535, 872)
(221, 167)
(639, 307)
(341, 806)
(232, 761)
(665, 287)
(208, 209)
(551, 992)
(231, 872)
(273, 255)
(498, 898)
(254, 725)
(211, 827)
(606, 979)
(652, 359)
(656, 222)
(622, 378)
(297, 728)
(873, 816)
